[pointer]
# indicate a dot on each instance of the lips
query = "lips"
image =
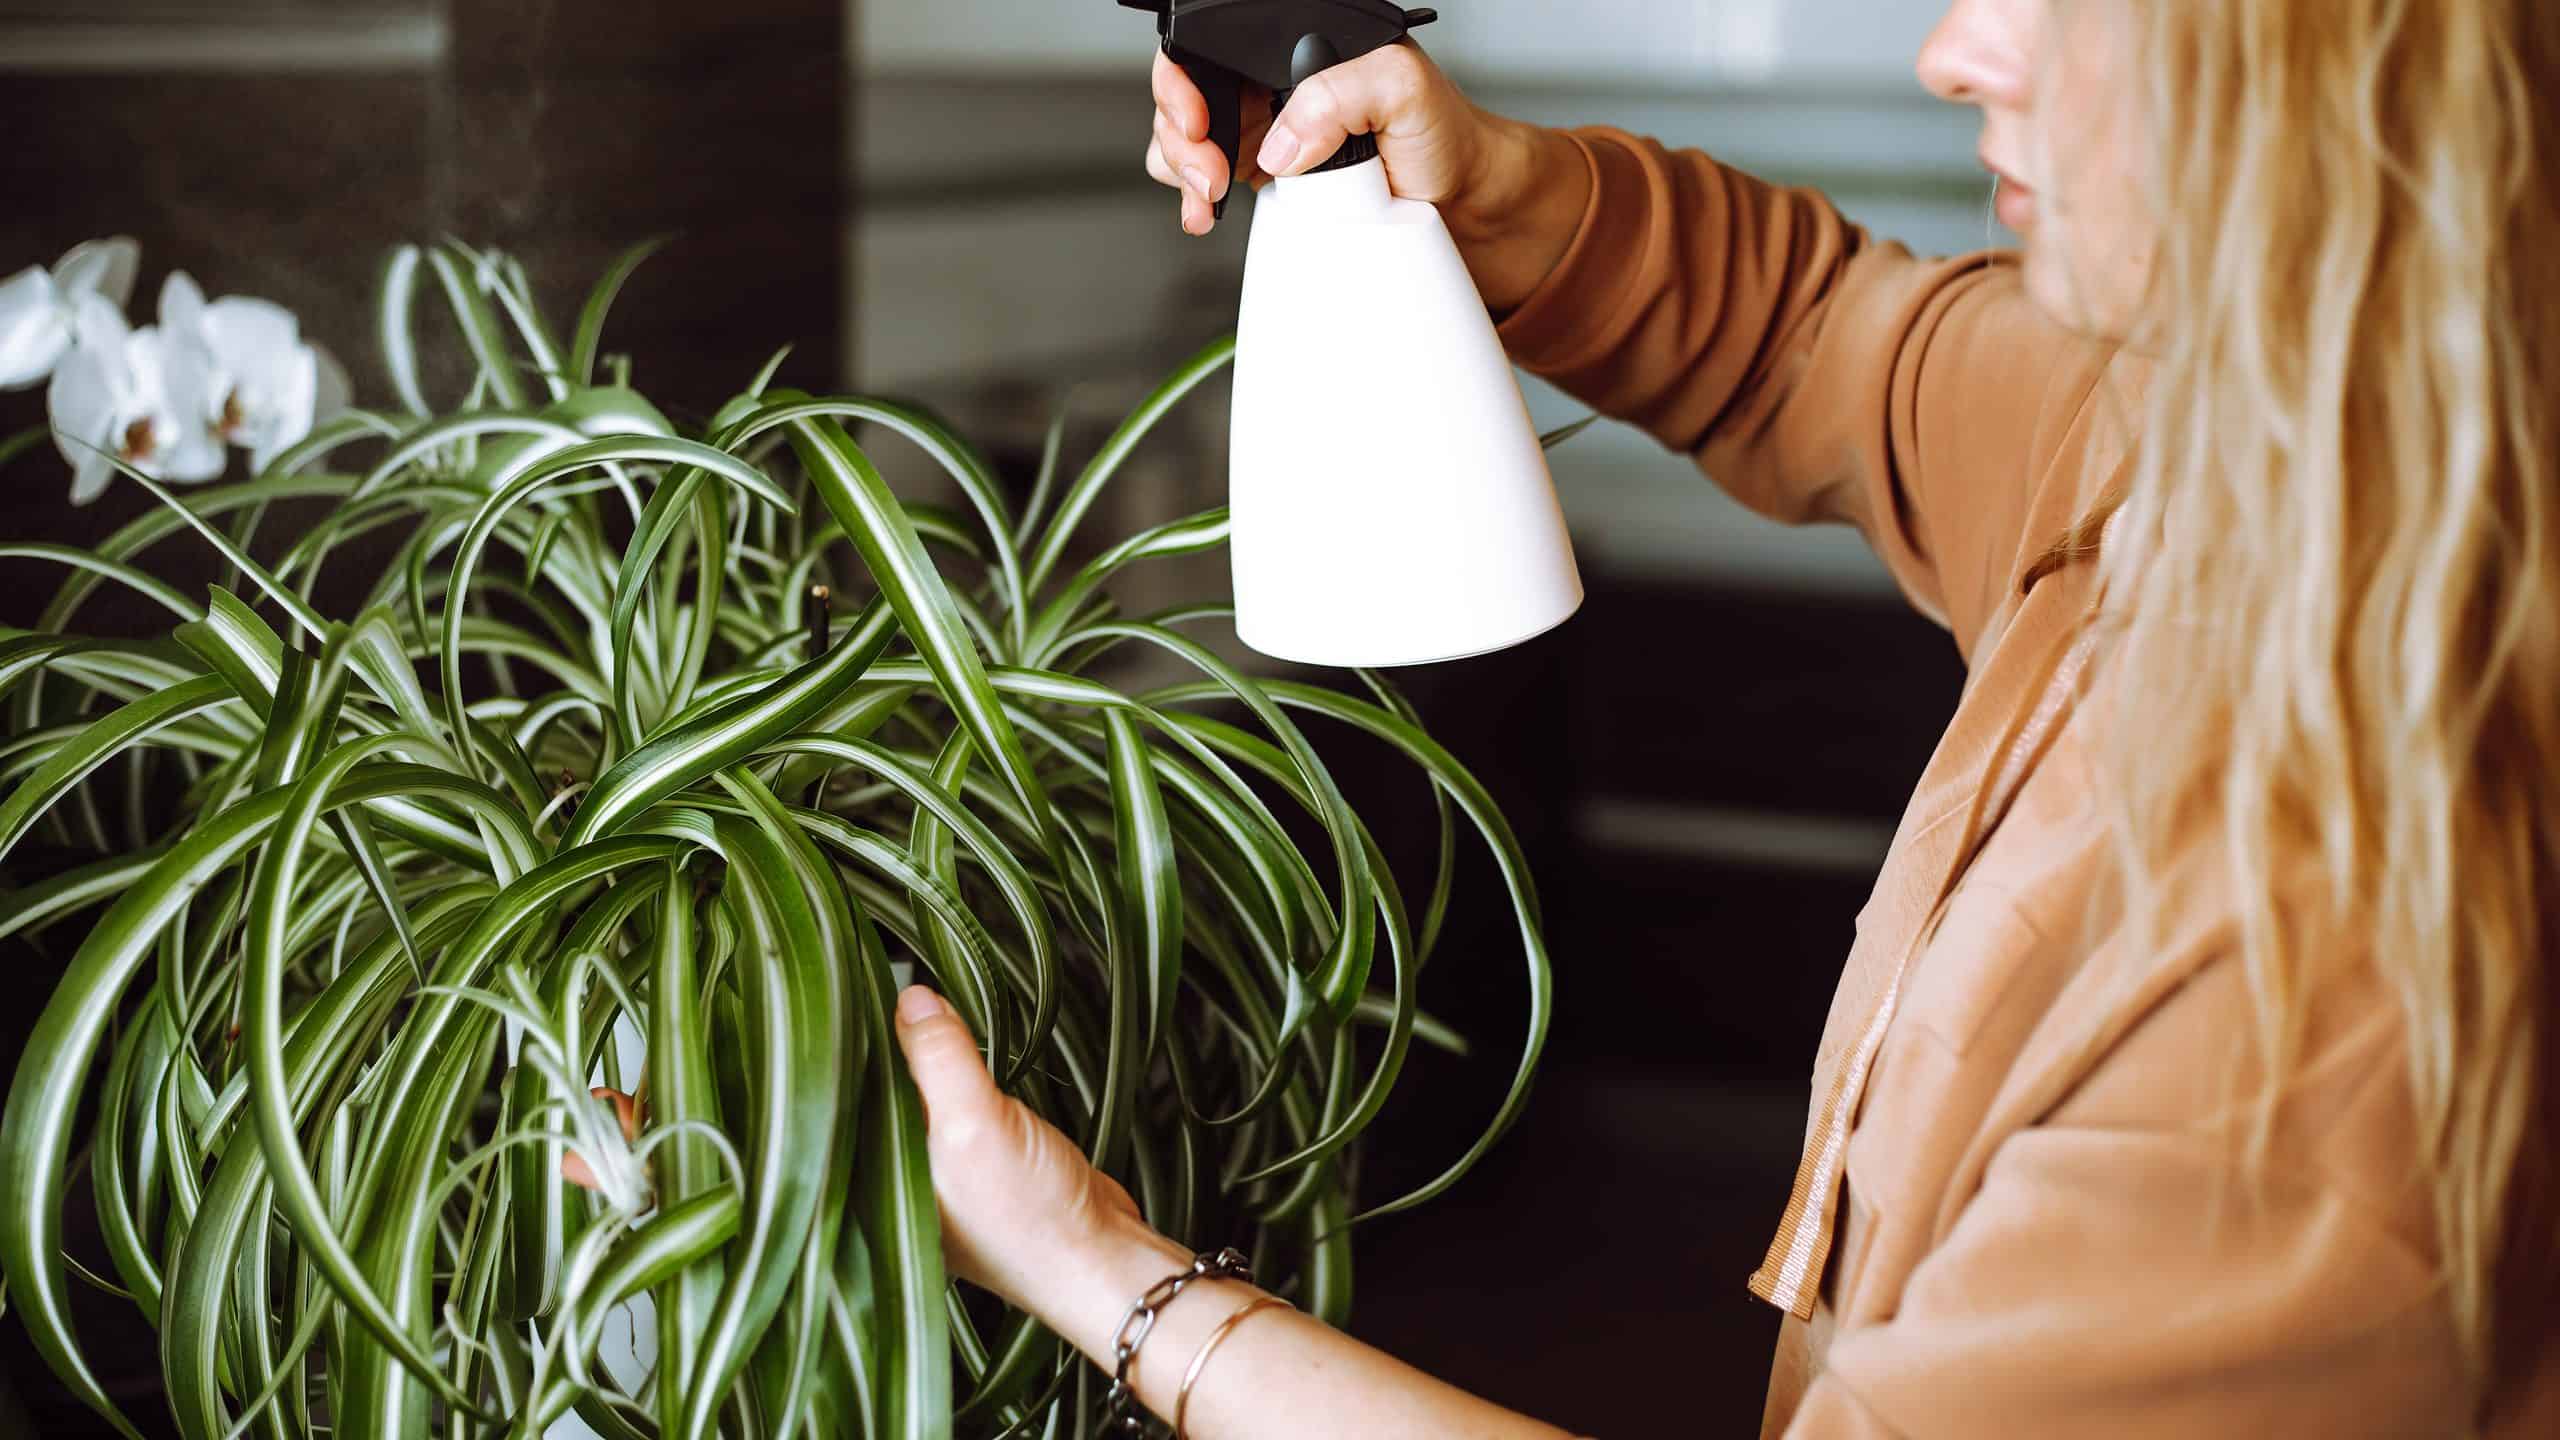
(2016, 202)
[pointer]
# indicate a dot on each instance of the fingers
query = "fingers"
(1200, 166)
(1189, 180)
(1197, 167)
(1360, 97)
(1196, 212)
(573, 1166)
(1180, 153)
(1179, 100)
(625, 1110)
(958, 1092)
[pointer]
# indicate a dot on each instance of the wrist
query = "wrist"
(1168, 1308)
(1520, 210)
(1089, 1294)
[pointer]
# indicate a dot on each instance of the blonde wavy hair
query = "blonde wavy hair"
(2334, 581)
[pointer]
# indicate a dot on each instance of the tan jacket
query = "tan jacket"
(2019, 1211)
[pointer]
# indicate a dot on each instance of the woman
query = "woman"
(2193, 1072)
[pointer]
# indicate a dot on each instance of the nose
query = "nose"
(1977, 55)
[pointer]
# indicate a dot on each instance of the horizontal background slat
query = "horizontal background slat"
(276, 36)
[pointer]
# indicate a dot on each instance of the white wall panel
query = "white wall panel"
(1010, 34)
(1026, 288)
(1861, 41)
(1866, 40)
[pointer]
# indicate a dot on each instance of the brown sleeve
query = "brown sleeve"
(2116, 1274)
(1818, 374)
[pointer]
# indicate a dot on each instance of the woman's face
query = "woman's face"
(2062, 131)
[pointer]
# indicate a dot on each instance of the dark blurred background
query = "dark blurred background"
(943, 199)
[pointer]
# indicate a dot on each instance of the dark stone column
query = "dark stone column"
(559, 130)
(219, 134)
(572, 128)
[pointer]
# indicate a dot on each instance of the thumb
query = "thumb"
(1358, 97)
(949, 1073)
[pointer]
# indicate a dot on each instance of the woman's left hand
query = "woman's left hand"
(1023, 1213)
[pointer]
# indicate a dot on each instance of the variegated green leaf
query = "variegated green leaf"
(381, 893)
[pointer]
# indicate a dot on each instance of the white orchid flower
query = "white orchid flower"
(267, 386)
(39, 308)
(138, 395)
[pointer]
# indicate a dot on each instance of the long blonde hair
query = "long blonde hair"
(2335, 580)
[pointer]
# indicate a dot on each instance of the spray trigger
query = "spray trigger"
(1228, 45)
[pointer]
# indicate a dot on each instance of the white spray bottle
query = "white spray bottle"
(1390, 502)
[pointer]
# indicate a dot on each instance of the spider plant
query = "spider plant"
(595, 787)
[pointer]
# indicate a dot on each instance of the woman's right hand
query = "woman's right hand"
(1512, 194)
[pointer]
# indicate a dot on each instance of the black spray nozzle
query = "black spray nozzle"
(1225, 45)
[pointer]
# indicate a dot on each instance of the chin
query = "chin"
(2073, 299)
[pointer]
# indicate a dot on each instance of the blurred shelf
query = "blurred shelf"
(1640, 513)
(1725, 835)
(215, 11)
(263, 41)
(952, 134)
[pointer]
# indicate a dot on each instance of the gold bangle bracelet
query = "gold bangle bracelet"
(1199, 1362)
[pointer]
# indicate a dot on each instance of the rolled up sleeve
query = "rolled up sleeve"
(1817, 374)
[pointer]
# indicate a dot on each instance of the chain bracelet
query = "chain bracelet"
(1120, 1404)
